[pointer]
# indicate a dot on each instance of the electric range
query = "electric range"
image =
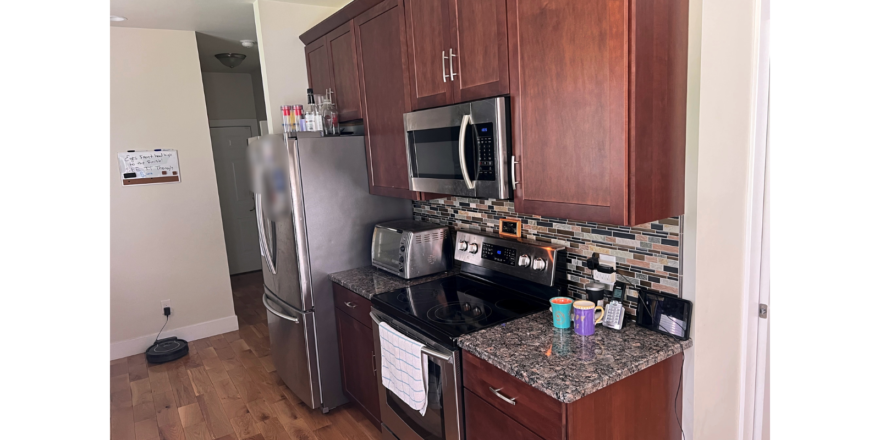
(501, 279)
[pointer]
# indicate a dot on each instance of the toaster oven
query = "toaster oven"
(411, 249)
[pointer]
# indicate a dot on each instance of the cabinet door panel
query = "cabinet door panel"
(428, 38)
(356, 357)
(343, 61)
(318, 63)
(379, 38)
(480, 33)
(484, 422)
(568, 94)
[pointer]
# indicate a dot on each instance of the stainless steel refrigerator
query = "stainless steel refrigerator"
(315, 216)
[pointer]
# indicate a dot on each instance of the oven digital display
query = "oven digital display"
(499, 254)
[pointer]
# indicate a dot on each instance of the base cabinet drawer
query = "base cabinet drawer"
(484, 422)
(352, 304)
(532, 408)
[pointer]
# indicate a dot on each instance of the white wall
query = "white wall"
(282, 56)
(259, 100)
(726, 113)
(166, 241)
(229, 95)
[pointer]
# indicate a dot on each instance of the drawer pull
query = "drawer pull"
(510, 400)
(350, 304)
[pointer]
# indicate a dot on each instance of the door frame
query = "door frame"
(220, 123)
(755, 336)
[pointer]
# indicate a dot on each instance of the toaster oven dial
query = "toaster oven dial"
(524, 261)
(538, 264)
(473, 248)
(462, 245)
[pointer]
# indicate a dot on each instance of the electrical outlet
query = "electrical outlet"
(606, 278)
(166, 303)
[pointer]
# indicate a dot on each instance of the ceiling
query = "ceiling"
(220, 24)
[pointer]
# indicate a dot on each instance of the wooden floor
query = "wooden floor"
(226, 388)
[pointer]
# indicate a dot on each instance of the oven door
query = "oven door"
(460, 149)
(443, 418)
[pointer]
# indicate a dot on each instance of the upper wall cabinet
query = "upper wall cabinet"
(380, 40)
(332, 64)
(457, 50)
(598, 94)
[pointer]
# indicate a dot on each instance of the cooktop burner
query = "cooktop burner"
(459, 313)
(457, 305)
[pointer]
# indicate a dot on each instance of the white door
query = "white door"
(236, 198)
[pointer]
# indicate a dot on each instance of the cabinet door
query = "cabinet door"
(429, 46)
(379, 35)
(568, 86)
(318, 64)
(343, 65)
(484, 422)
(479, 32)
(358, 364)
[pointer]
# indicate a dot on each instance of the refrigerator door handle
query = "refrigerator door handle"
(276, 313)
(264, 246)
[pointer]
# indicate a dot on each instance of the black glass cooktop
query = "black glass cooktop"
(451, 307)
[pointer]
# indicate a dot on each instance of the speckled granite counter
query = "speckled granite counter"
(369, 281)
(563, 364)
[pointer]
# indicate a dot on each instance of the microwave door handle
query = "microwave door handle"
(465, 120)
(264, 246)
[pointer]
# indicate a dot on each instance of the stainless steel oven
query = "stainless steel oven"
(443, 420)
(461, 149)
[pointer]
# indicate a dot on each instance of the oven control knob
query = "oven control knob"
(524, 261)
(538, 264)
(473, 248)
(462, 245)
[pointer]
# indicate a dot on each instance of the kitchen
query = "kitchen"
(497, 189)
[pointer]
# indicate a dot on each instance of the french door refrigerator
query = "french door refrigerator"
(315, 216)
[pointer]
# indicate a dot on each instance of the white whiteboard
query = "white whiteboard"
(149, 167)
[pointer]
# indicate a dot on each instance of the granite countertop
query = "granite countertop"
(369, 281)
(563, 364)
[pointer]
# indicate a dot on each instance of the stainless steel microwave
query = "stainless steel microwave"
(461, 149)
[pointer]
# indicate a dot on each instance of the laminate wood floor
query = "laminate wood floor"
(225, 388)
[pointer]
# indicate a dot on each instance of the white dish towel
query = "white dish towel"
(404, 367)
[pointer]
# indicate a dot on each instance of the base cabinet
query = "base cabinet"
(644, 406)
(356, 356)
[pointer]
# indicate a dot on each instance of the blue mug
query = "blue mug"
(561, 306)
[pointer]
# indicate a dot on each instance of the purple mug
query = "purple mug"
(585, 319)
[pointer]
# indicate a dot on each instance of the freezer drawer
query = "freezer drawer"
(292, 337)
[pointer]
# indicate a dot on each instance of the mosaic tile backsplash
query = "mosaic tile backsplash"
(647, 253)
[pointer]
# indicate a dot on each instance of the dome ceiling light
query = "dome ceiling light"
(230, 60)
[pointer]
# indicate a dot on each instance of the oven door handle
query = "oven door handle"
(465, 120)
(425, 350)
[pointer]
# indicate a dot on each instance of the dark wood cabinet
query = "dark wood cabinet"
(428, 48)
(318, 65)
(598, 92)
(356, 356)
(380, 40)
(482, 421)
(343, 67)
(479, 32)
(645, 405)
(457, 50)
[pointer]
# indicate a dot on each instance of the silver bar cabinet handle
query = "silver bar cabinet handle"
(350, 304)
(513, 163)
(451, 70)
(510, 400)
(443, 63)
(280, 315)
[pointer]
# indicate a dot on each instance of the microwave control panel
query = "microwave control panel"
(486, 150)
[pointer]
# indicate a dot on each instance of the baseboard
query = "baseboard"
(193, 332)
